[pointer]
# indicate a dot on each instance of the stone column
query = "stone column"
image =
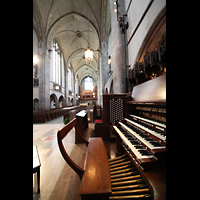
(103, 70)
(44, 78)
(104, 63)
(66, 83)
(99, 84)
(118, 48)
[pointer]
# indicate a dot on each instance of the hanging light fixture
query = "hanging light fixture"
(88, 51)
(88, 54)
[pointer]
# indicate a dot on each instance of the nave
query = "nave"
(57, 178)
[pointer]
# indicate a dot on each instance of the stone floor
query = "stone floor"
(57, 179)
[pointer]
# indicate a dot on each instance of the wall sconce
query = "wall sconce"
(57, 87)
(35, 60)
(116, 6)
(109, 60)
(109, 63)
(124, 26)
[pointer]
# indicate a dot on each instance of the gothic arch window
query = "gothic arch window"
(88, 83)
(69, 79)
(58, 63)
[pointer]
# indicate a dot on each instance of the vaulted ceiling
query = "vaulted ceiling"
(67, 22)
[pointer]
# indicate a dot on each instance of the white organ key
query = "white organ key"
(148, 120)
(149, 145)
(131, 146)
(146, 129)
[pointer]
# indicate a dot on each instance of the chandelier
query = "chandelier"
(88, 54)
(88, 51)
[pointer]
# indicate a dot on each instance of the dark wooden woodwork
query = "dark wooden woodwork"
(96, 180)
(81, 125)
(95, 113)
(100, 129)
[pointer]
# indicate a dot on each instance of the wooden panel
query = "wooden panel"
(151, 91)
(96, 179)
(100, 130)
(81, 124)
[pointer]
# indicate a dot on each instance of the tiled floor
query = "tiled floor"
(57, 179)
(52, 163)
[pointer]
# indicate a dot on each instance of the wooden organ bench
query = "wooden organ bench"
(95, 175)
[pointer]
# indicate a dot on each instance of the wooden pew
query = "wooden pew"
(95, 175)
(71, 112)
(41, 116)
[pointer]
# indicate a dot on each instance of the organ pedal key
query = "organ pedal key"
(126, 180)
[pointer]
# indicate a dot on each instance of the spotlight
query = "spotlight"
(122, 23)
(119, 19)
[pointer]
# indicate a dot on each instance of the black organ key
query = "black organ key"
(150, 139)
(134, 142)
(156, 144)
(144, 152)
(139, 147)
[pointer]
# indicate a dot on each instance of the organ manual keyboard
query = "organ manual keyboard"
(139, 123)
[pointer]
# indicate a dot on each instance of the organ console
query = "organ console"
(139, 123)
(139, 170)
